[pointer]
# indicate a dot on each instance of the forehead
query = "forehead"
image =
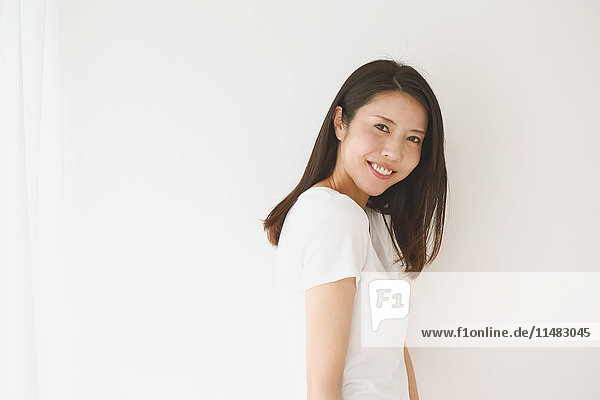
(398, 106)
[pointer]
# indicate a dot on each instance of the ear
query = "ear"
(340, 131)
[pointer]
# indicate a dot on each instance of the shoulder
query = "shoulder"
(319, 208)
(330, 235)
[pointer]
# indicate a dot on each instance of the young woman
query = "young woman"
(371, 197)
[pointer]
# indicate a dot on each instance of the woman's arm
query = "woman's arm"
(328, 320)
(412, 382)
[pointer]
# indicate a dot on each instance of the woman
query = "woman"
(372, 194)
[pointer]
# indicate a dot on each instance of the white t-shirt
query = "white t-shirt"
(327, 236)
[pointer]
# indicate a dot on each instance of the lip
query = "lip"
(377, 174)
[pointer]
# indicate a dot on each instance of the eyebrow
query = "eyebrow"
(389, 120)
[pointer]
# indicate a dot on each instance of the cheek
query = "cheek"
(415, 158)
(410, 160)
(364, 144)
(416, 155)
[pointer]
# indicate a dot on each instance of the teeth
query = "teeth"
(381, 170)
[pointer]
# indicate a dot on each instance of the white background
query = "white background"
(187, 121)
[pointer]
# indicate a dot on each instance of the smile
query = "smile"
(379, 171)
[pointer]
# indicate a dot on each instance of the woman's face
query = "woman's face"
(388, 132)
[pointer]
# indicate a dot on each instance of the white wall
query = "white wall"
(187, 121)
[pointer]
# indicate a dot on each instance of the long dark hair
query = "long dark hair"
(416, 205)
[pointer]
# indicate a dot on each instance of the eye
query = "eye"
(416, 137)
(382, 129)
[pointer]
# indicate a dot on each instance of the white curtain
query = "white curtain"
(31, 198)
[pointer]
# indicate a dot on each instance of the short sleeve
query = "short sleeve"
(333, 241)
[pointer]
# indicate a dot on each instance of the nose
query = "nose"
(393, 149)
